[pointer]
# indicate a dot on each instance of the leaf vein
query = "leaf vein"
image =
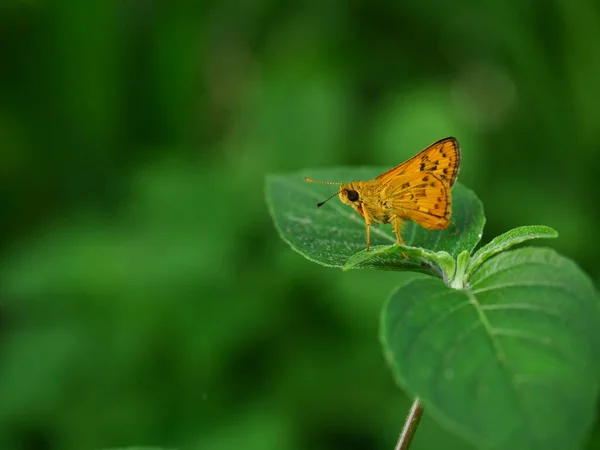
(545, 341)
(526, 284)
(437, 321)
(522, 307)
(512, 267)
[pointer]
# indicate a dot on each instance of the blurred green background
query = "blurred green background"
(145, 297)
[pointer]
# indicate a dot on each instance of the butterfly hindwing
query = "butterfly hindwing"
(422, 198)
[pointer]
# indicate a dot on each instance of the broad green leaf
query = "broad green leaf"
(507, 240)
(330, 235)
(511, 361)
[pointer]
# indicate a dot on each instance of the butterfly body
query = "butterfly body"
(418, 190)
(364, 194)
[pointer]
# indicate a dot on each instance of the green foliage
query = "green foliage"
(508, 361)
(499, 346)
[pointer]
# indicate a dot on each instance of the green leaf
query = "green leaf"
(506, 240)
(421, 260)
(330, 235)
(510, 362)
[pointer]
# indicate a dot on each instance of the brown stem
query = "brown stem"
(410, 425)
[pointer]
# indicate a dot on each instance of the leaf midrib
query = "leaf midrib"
(502, 359)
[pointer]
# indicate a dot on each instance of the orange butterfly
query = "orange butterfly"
(418, 190)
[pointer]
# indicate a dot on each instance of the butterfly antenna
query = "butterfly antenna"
(310, 180)
(325, 201)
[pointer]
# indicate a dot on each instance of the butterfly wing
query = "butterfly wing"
(424, 199)
(442, 159)
(419, 189)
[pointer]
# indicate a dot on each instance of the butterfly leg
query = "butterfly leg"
(397, 223)
(367, 224)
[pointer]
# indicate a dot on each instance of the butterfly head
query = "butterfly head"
(349, 194)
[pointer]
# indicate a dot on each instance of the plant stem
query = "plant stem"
(410, 425)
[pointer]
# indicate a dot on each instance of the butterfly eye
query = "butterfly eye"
(352, 196)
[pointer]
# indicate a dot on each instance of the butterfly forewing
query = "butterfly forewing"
(442, 158)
